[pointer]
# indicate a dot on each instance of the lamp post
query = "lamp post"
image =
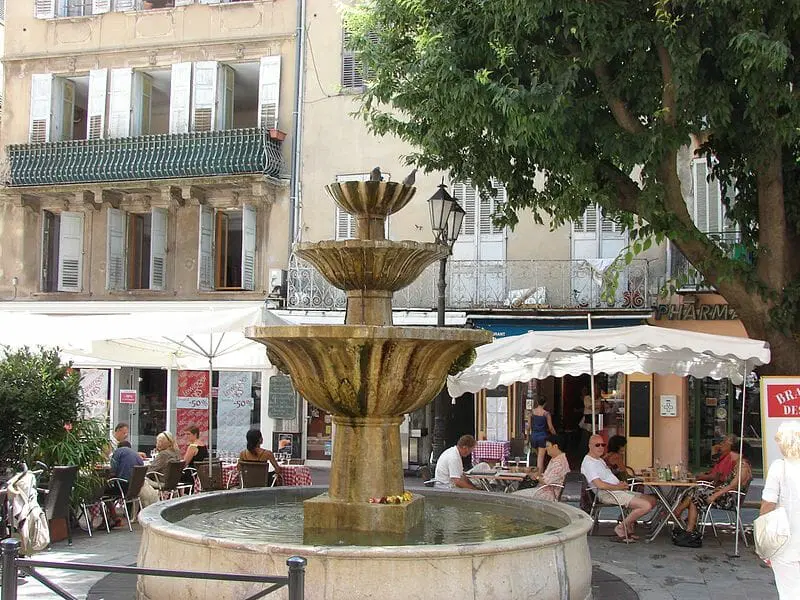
(446, 219)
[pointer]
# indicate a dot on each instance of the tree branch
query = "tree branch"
(668, 91)
(619, 109)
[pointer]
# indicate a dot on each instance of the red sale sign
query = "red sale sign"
(780, 401)
(192, 405)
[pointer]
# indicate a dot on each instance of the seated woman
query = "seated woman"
(699, 498)
(553, 475)
(615, 456)
(196, 451)
(255, 453)
(167, 449)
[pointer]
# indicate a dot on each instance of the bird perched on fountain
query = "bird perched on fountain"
(375, 174)
(410, 178)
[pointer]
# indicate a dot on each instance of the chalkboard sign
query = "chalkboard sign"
(282, 398)
(639, 413)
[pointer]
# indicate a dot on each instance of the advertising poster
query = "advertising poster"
(192, 405)
(234, 408)
(94, 389)
(780, 401)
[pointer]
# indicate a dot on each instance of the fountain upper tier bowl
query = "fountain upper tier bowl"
(370, 264)
(371, 198)
(363, 370)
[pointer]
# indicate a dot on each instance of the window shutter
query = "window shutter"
(715, 208)
(345, 225)
(65, 107)
(353, 71)
(142, 103)
(158, 248)
(204, 95)
(119, 106)
(183, 2)
(115, 264)
(180, 95)
(500, 199)
(41, 107)
(225, 79)
(124, 5)
(590, 219)
(70, 252)
(100, 6)
(269, 84)
(248, 247)
(464, 192)
(96, 112)
(205, 260)
(44, 9)
(701, 195)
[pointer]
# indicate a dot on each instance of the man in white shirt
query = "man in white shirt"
(610, 490)
(450, 468)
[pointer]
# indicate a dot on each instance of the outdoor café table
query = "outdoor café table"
(668, 494)
(292, 475)
(491, 452)
(505, 481)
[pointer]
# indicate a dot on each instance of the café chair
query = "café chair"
(518, 452)
(255, 474)
(56, 503)
(732, 517)
(169, 484)
(91, 505)
(297, 461)
(212, 481)
(132, 494)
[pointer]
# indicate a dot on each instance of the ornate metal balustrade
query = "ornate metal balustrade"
(498, 284)
(166, 156)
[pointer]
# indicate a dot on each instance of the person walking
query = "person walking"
(541, 426)
(782, 488)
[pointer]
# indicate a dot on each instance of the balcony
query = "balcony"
(147, 157)
(687, 279)
(520, 284)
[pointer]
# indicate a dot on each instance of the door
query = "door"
(152, 413)
(596, 243)
(127, 404)
(478, 270)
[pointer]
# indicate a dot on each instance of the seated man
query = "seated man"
(122, 462)
(603, 482)
(450, 469)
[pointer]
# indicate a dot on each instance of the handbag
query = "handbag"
(771, 531)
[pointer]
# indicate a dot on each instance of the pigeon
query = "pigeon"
(375, 174)
(410, 178)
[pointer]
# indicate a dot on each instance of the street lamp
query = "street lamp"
(446, 219)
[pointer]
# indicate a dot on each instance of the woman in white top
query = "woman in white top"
(782, 488)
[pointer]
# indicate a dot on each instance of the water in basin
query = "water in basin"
(456, 520)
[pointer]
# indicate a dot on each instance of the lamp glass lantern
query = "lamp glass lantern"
(454, 222)
(440, 205)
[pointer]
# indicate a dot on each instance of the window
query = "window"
(136, 250)
(62, 252)
(227, 249)
(354, 73)
(708, 209)
(345, 222)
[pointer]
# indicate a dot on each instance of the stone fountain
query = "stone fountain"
(367, 373)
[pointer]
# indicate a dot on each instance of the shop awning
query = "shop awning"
(639, 349)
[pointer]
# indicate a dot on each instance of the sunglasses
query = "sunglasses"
(599, 445)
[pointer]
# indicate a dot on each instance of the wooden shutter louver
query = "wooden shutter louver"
(70, 252)
(269, 91)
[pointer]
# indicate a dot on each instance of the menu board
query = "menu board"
(282, 398)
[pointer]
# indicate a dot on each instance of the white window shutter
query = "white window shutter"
(180, 95)
(204, 95)
(269, 89)
(700, 172)
(205, 259)
(124, 5)
(183, 2)
(100, 6)
(70, 252)
(119, 105)
(142, 103)
(65, 109)
(115, 263)
(225, 83)
(96, 110)
(158, 248)
(44, 9)
(41, 107)
(248, 247)
(465, 193)
(345, 225)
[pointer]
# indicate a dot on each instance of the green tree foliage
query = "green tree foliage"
(38, 396)
(601, 97)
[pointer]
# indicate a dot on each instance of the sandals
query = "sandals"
(619, 530)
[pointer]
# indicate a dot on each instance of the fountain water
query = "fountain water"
(368, 373)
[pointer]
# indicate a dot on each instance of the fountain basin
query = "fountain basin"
(369, 264)
(370, 198)
(364, 370)
(554, 565)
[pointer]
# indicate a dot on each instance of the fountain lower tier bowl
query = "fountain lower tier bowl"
(371, 264)
(366, 371)
(473, 545)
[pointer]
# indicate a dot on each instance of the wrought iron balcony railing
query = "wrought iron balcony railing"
(165, 156)
(498, 284)
(687, 278)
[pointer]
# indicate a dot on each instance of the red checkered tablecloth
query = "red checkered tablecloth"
(230, 475)
(296, 475)
(492, 452)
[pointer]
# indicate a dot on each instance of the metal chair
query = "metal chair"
(131, 494)
(255, 474)
(169, 483)
(518, 452)
(598, 505)
(95, 501)
(57, 496)
(708, 518)
(297, 461)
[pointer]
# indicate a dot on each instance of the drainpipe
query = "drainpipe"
(297, 116)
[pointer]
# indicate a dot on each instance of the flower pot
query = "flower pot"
(277, 134)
